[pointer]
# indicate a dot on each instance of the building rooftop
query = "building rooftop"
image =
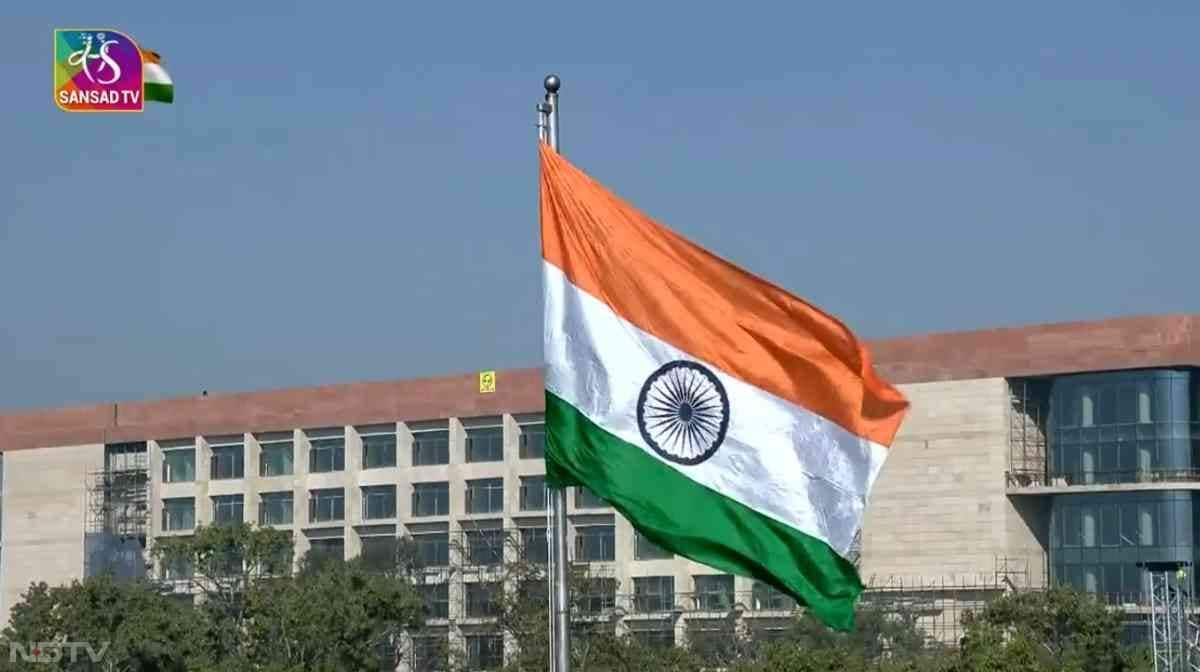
(1106, 345)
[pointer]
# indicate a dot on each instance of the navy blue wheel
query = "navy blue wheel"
(683, 412)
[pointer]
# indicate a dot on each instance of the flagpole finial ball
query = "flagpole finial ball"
(552, 83)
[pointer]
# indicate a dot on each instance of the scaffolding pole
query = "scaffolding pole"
(1174, 635)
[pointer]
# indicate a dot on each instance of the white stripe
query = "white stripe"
(778, 458)
(154, 73)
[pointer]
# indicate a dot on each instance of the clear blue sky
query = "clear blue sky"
(347, 190)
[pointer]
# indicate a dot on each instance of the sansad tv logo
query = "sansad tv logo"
(102, 70)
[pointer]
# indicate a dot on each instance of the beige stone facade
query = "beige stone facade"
(940, 509)
(44, 517)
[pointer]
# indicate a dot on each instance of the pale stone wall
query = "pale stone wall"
(939, 509)
(45, 514)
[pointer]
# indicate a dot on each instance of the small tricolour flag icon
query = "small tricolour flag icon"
(156, 82)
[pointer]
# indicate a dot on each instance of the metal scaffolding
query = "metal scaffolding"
(1174, 632)
(118, 501)
(1026, 432)
(119, 496)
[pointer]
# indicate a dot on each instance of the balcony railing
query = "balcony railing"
(692, 602)
(1017, 478)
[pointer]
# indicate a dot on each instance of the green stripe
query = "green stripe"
(694, 521)
(163, 93)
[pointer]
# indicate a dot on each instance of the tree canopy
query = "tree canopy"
(253, 612)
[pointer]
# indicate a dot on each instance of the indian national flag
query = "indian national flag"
(731, 422)
(157, 83)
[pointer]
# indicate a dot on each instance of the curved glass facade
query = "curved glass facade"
(1125, 427)
(1096, 540)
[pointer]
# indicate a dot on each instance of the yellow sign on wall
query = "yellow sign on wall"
(487, 382)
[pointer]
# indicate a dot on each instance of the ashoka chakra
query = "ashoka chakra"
(683, 412)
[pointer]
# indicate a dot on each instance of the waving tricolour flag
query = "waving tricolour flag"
(731, 422)
(157, 83)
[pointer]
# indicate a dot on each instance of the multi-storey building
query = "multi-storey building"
(1061, 452)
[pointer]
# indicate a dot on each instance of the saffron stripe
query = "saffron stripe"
(706, 306)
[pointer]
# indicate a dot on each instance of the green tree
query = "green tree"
(340, 616)
(136, 625)
(221, 564)
(1056, 629)
(259, 615)
(879, 631)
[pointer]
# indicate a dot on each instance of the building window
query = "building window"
(654, 593)
(533, 545)
(429, 653)
(178, 514)
(326, 506)
(227, 462)
(276, 458)
(1122, 427)
(485, 547)
(485, 495)
(177, 568)
(598, 594)
(378, 501)
(644, 549)
(586, 499)
(533, 493)
(431, 447)
(431, 499)
(661, 636)
(327, 454)
(713, 639)
(179, 465)
(595, 543)
(770, 630)
(485, 652)
(532, 590)
(485, 444)
(533, 442)
(1098, 539)
(767, 597)
(278, 564)
(379, 553)
(227, 509)
(379, 451)
(436, 597)
(714, 593)
(275, 508)
(325, 550)
(482, 599)
(433, 549)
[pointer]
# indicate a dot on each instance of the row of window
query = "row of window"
(1098, 540)
(486, 651)
(1121, 521)
(327, 453)
(1124, 427)
(482, 547)
(651, 594)
(484, 495)
(1124, 582)
(1122, 462)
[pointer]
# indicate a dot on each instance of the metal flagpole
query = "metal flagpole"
(543, 120)
(560, 640)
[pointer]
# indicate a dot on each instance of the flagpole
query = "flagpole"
(543, 121)
(560, 633)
